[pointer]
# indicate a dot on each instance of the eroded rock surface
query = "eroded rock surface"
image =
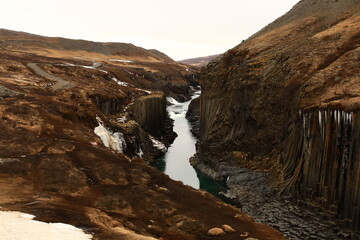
(260, 126)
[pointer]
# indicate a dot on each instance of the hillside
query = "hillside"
(77, 133)
(200, 61)
(149, 69)
(49, 45)
(279, 114)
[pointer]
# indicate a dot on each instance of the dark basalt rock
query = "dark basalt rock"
(108, 105)
(150, 112)
(249, 112)
(193, 115)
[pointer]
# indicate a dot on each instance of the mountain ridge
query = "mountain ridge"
(27, 41)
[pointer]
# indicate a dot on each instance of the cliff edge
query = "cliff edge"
(282, 108)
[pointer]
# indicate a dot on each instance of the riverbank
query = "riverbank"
(253, 193)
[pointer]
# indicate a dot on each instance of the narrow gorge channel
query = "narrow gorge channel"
(175, 162)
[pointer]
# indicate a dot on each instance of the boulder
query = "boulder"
(228, 228)
(216, 232)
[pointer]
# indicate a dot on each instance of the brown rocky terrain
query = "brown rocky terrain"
(55, 100)
(149, 69)
(279, 113)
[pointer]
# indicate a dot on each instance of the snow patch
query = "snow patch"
(129, 72)
(125, 84)
(172, 100)
(120, 60)
(122, 119)
(140, 153)
(157, 144)
(140, 89)
(115, 141)
(20, 226)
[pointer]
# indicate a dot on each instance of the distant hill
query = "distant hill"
(31, 42)
(200, 61)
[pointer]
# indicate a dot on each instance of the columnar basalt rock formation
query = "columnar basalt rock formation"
(307, 61)
(193, 115)
(322, 160)
(150, 112)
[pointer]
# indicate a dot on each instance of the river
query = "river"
(175, 161)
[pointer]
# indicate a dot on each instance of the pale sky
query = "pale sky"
(180, 29)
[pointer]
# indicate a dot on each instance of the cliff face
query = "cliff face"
(150, 112)
(193, 115)
(306, 61)
(322, 160)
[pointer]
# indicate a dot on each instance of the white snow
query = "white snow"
(157, 144)
(122, 119)
(120, 60)
(172, 100)
(127, 107)
(140, 153)
(83, 66)
(125, 84)
(21, 226)
(140, 89)
(129, 72)
(68, 64)
(73, 65)
(115, 141)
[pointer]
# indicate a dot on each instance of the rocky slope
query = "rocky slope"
(71, 151)
(141, 68)
(279, 114)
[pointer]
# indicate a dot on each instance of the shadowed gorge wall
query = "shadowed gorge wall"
(321, 159)
(108, 105)
(150, 112)
(251, 97)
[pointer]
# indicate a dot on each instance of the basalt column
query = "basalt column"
(150, 112)
(322, 160)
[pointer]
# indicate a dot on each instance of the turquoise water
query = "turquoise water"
(175, 162)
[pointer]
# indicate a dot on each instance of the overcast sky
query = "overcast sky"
(181, 29)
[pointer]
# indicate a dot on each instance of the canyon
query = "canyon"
(278, 121)
(80, 122)
(88, 129)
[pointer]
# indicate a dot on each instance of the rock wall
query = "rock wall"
(150, 112)
(193, 115)
(251, 98)
(322, 160)
(108, 105)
